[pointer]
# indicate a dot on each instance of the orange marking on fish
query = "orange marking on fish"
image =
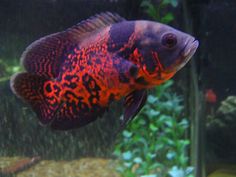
(81, 70)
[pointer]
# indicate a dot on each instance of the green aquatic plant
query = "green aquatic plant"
(154, 144)
(222, 124)
(7, 69)
(158, 12)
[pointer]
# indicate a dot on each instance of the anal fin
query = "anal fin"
(71, 115)
(42, 95)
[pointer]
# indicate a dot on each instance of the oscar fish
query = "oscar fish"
(71, 77)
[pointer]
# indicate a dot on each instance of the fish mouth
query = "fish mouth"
(190, 47)
(188, 51)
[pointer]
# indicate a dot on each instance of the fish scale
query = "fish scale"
(72, 76)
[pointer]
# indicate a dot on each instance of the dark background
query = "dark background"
(24, 21)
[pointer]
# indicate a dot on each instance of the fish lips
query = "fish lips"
(188, 51)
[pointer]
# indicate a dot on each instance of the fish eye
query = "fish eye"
(169, 40)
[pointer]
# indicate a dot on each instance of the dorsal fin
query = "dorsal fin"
(95, 22)
(44, 56)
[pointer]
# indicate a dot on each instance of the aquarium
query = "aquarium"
(117, 88)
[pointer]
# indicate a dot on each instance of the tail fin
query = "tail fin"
(37, 91)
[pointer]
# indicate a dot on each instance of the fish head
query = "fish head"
(164, 51)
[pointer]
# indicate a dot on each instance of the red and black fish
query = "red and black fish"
(72, 76)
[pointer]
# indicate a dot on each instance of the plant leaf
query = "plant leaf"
(174, 3)
(167, 18)
(127, 155)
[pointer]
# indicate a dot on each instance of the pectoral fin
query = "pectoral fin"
(133, 104)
